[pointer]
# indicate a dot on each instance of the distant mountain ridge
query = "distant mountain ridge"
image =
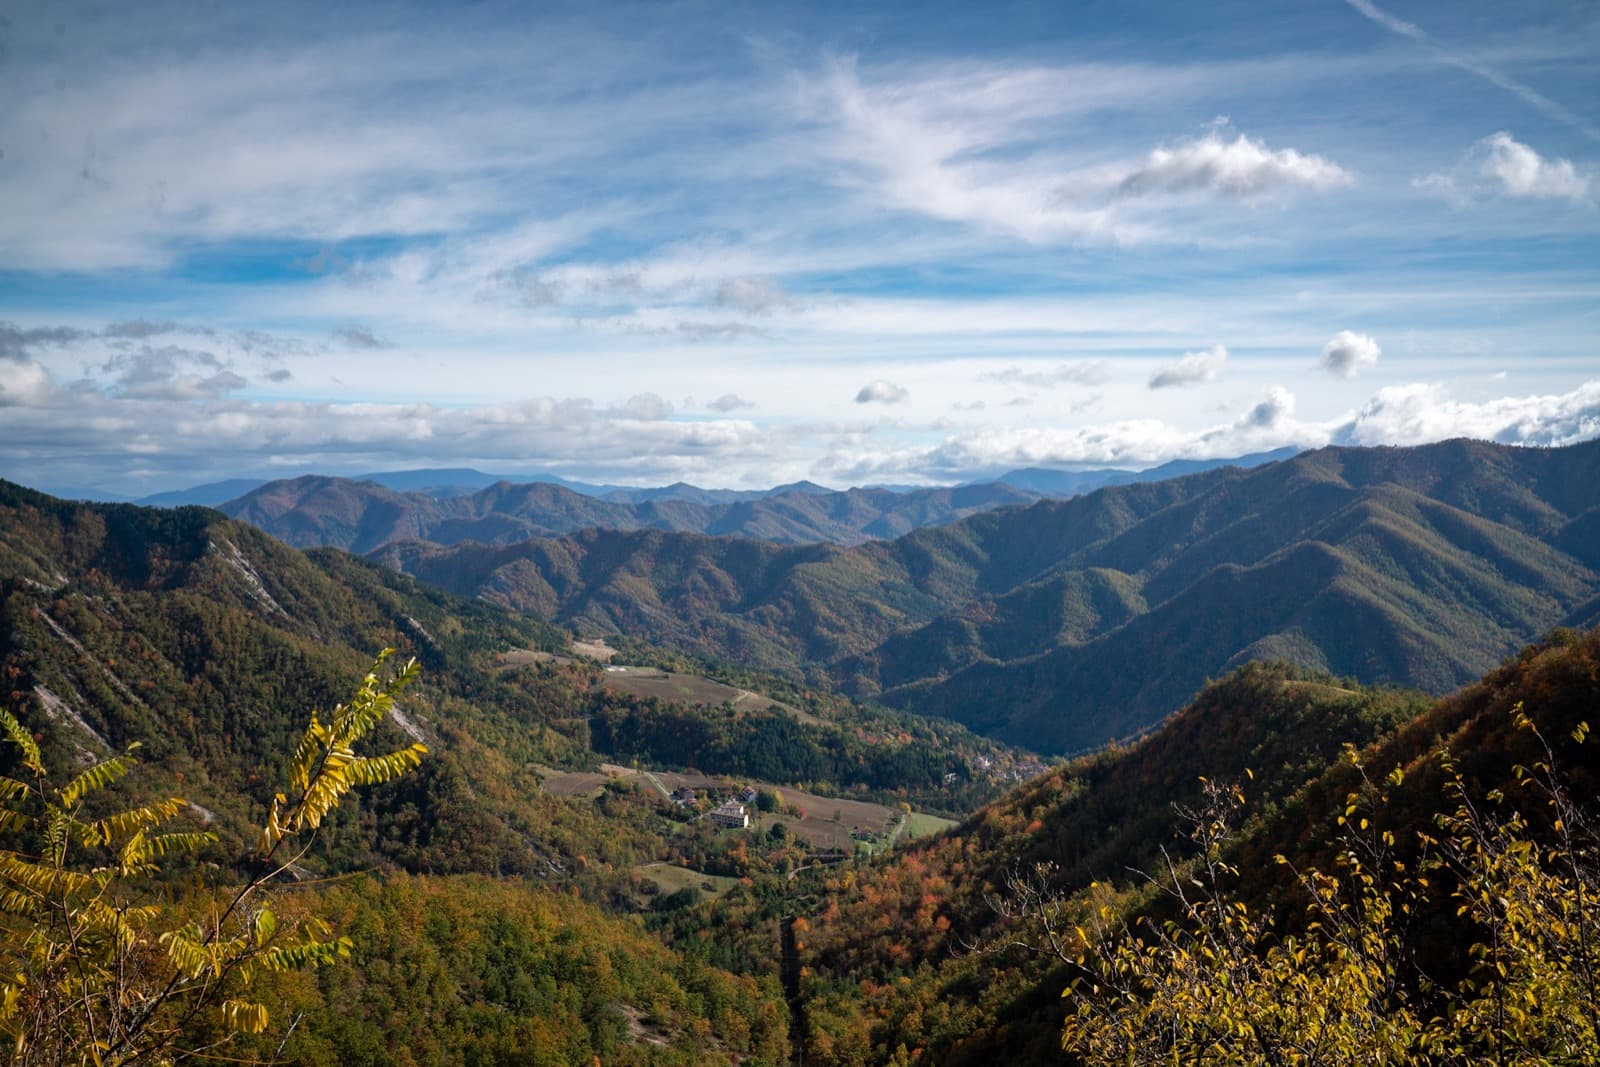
(462, 481)
(1042, 625)
(363, 516)
(451, 506)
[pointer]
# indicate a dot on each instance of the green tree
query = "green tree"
(95, 968)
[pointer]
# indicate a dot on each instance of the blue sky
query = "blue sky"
(741, 244)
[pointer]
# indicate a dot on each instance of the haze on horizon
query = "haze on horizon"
(743, 245)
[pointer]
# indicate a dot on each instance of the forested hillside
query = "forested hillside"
(209, 643)
(1038, 625)
(477, 898)
(915, 955)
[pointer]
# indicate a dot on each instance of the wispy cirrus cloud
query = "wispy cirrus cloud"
(981, 149)
(542, 202)
(1081, 372)
(1527, 94)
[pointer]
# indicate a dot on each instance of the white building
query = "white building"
(731, 816)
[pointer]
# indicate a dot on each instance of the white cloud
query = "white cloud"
(1420, 413)
(645, 407)
(1405, 415)
(171, 373)
(1275, 411)
(881, 392)
(978, 148)
(729, 402)
(753, 295)
(1238, 167)
(1501, 166)
(1520, 171)
(175, 413)
(1348, 353)
(23, 382)
(358, 337)
(1084, 372)
(1194, 367)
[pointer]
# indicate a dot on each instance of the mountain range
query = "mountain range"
(207, 641)
(463, 481)
(1044, 625)
(362, 516)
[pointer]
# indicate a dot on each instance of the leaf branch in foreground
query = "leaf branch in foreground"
(94, 967)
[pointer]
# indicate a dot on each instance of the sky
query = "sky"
(741, 244)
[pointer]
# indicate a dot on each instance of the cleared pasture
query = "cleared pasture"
(693, 690)
(670, 878)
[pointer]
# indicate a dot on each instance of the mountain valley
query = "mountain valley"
(594, 704)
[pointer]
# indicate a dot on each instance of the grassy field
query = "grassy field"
(829, 821)
(668, 686)
(920, 824)
(691, 689)
(560, 783)
(671, 878)
(825, 822)
(521, 657)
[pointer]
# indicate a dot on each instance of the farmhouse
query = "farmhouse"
(731, 816)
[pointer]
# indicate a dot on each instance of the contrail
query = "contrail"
(1531, 96)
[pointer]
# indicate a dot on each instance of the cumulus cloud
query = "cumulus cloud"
(646, 407)
(881, 392)
(729, 402)
(185, 431)
(1501, 166)
(23, 382)
(1192, 368)
(1423, 412)
(177, 412)
(1348, 353)
(171, 373)
(1271, 413)
(1086, 372)
(1405, 415)
(1520, 171)
(1241, 166)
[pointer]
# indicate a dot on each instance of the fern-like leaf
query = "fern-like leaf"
(124, 823)
(305, 955)
(23, 740)
(43, 879)
(375, 770)
(161, 845)
(244, 1016)
(97, 777)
